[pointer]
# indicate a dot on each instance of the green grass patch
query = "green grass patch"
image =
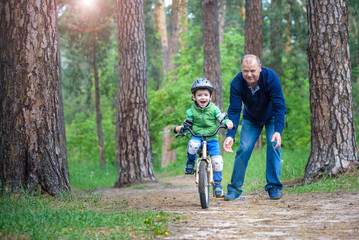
(84, 176)
(76, 217)
(343, 183)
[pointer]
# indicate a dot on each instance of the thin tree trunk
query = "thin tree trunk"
(183, 24)
(211, 53)
(333, 143)
(174, 33)
(161, 27)
(32, 138)
(97, 105)
(221, 18)
(133, 148)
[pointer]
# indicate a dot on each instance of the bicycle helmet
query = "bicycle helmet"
(202, 83)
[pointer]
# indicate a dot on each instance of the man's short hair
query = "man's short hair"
(250, 56)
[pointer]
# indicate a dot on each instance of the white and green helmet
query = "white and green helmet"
(202, 83)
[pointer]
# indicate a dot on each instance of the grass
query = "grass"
(76, 216)
(85, 176)
(84, 215)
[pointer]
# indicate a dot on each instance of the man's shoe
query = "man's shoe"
(274, 193)
(189, 170)
(217, 190)
(231, 195)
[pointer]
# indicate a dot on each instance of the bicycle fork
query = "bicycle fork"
(209, 164)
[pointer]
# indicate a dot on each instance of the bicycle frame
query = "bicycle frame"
(204, 150)
(209, 163)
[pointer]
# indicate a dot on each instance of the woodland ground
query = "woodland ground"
(253, 216)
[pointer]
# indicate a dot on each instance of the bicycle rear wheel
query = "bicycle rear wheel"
(203, 184)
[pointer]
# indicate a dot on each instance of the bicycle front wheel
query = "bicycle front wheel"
(203, 184)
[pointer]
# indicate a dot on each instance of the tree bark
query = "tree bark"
(221, 18)
(253, 28)
(32, 134)
(253, 37)
(161, 27)
(333, 143)
(97, 105)
(174, 33)
(133, 148)
(183, 24)
(211, 53)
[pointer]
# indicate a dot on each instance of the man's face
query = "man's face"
(251, 71)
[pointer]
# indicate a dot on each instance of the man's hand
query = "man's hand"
(278, 138)
(227, 145)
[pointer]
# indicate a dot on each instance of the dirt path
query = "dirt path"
(253, 216)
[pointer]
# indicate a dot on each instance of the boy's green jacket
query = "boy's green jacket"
(204, 119)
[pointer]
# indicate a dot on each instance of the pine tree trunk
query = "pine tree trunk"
(183, 24)
(253, 28)
(97, 105)
(333, 143)
(174, 33)
(161, 27)
(32, 134)
(211, 54)
(221, 18)
(133, 148)
(253, 38)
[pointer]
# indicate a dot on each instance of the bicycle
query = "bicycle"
(203, 173)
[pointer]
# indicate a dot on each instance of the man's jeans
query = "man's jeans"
(249, 135)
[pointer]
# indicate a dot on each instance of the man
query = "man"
(260, 91)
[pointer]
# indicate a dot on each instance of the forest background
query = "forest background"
(170, 96)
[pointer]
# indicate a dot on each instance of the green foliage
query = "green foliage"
(81, 133)
(84, 176)
(76, 217)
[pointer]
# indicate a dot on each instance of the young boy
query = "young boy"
(203, 117)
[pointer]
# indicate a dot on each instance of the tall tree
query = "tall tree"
(97, 104)
(221, 19)
(183, 24)
(253, 37)
(333, 143)
(174, 32)
(211, 54)
(161, 27)
(133, 148)
(253, 28)
(32, 134)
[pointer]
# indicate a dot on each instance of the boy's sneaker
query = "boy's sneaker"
(189, 170)
(231, 195)
(274, 193)
(217, 190)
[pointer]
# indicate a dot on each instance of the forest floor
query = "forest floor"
(252, 216)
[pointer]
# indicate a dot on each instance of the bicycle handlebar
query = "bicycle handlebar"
(185, 127)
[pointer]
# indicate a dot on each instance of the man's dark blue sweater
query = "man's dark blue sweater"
(260, 104)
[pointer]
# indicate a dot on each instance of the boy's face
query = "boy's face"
(202, 97)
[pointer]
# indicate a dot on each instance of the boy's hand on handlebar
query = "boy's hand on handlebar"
(227, 145)
(229, 124)
(178, 129)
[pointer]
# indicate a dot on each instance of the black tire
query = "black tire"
(203, 185)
